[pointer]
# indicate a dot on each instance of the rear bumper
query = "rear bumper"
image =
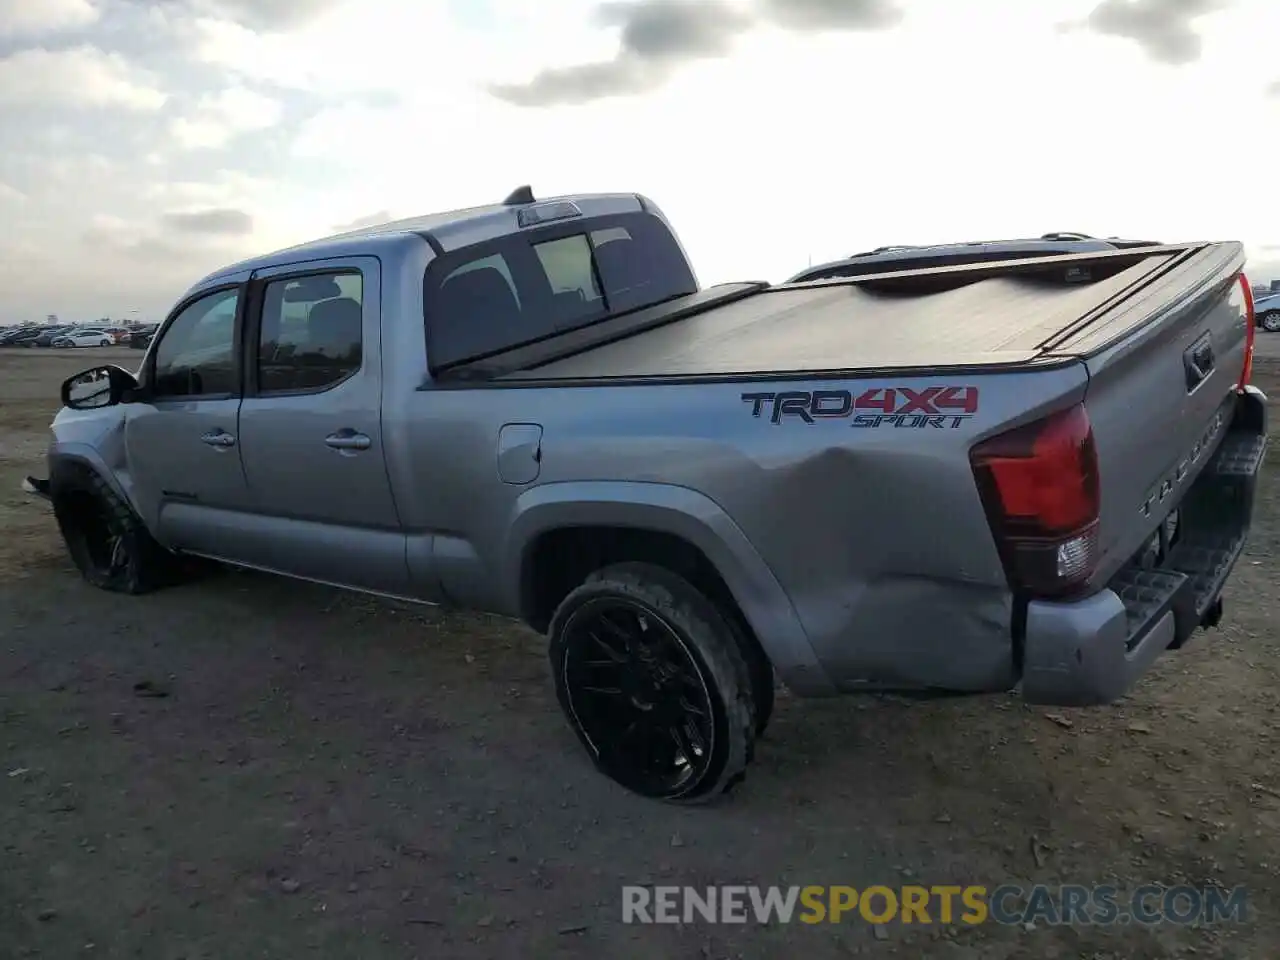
(1092, 651)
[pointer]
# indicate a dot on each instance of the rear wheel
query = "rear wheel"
(107, 541)
(652, 678)
(762, 688)
(1270, 321)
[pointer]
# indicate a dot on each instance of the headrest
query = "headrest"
(622, 267)
(334, 327)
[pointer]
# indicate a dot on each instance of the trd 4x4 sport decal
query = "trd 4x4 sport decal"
(932, 407)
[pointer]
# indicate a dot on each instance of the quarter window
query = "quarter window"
(196, 354)
(311, 337)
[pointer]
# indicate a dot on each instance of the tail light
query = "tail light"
(1251, 331)
(1039, 486)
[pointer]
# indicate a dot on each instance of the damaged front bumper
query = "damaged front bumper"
(1092, 651)
(36, 486)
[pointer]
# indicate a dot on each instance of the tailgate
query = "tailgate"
(1163, 366)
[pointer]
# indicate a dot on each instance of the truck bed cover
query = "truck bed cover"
(1000, 315)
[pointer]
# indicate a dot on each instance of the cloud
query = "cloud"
(359, 223)
(268, 15)
(219, 118)
(662, 29)
(386, 103)
(82, 76)
(10, 194)
(833, 14)
(1164, 29)
(221, 189)
(28, 18)
(216, 222)
(345, 50)
(120, 241)
(657, 36)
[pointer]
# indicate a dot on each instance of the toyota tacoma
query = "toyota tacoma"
(1030, 474)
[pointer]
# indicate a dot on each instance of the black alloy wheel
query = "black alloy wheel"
(653, 682)
(639, 697)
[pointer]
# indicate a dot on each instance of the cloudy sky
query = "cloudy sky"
(144, 143)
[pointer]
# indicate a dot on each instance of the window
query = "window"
(196, 355)
(609, 233)
(312, 332)
(570, 269)
(495, 262)
(567, 264)
(524, 287)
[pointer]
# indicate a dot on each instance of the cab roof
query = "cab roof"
(444, 231)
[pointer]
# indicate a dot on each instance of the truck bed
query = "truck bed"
(1012, 313)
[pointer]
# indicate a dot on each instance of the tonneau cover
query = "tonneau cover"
(1001, 320)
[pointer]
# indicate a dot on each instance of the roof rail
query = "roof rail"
(518, 196)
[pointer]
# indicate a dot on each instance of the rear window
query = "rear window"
(528, 286)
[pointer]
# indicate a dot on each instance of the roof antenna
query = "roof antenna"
(518, 196)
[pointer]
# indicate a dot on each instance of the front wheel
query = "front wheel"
(653, 681)
(107, 541)
(1270, 321)
(104, 342)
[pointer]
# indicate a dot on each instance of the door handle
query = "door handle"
(218, 438)
(348, 440)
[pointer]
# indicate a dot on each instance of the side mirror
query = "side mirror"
(97, 387)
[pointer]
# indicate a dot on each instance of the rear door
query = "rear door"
(311, 428)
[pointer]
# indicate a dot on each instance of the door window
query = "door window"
(311, 337)
(196, 355)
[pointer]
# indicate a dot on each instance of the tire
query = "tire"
(104, 342)
(107, 541)
(703, 643)
(762, 688)
(1270, 321)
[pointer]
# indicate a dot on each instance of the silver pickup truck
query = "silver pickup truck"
(952, 480)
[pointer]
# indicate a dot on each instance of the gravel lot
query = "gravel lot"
(325, 775)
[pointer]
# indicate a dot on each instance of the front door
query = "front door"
(311, 428)
(182, 437)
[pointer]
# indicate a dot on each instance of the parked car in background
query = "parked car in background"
(86, 337)
(46, 337)
(140, 337)
(117, 334)
(1267, 310)
(19, 337)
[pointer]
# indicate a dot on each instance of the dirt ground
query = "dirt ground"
(328, 775)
